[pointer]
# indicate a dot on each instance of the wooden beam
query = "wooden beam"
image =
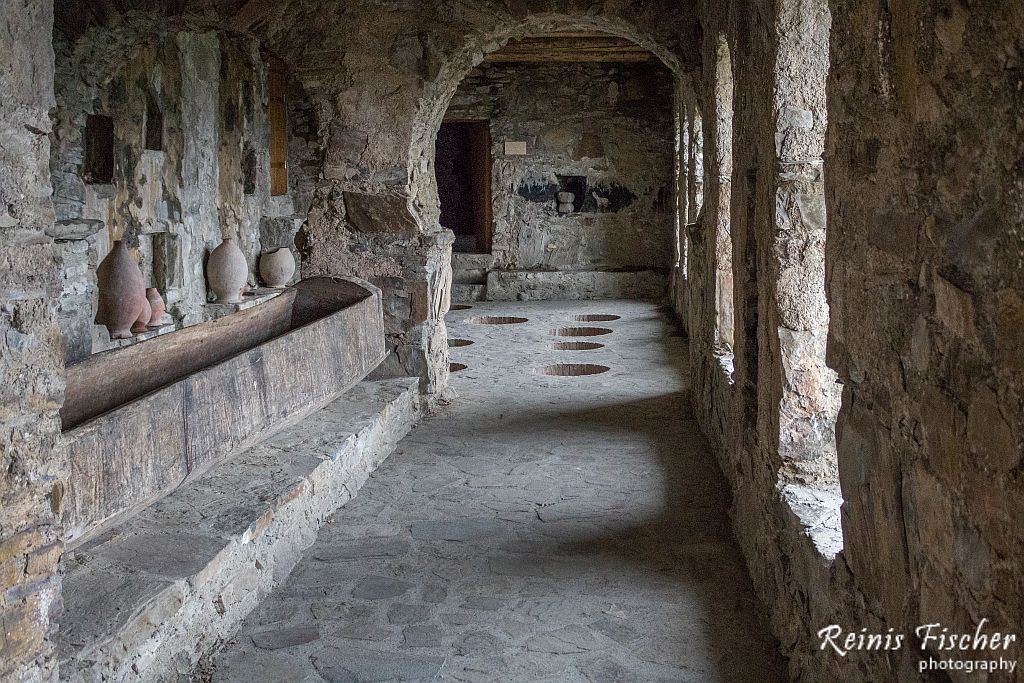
(576, 47)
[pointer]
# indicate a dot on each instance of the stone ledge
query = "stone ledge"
(254, 297)
(529, 285)
(464, 293)
(817, 508)
(148, 599)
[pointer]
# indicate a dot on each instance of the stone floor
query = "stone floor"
(541, 528)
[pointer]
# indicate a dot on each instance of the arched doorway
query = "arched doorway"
(572, 193)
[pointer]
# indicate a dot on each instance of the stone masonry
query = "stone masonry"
(31, 362)
(847, 257)
(606, 127)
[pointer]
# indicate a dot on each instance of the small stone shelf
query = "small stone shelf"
(249, 299)
(141, 337)
(213, 311)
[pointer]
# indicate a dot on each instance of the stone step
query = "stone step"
(147, 599)
(462, 293)
(469, 277)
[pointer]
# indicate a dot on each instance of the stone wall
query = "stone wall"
(926, 240)
(921, 267)
(203, 94)
(31, 362)
(607, 127)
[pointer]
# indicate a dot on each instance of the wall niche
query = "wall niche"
(154, 124)
(577, 184)
(99, 150)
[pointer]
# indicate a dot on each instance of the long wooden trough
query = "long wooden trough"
(140, 420)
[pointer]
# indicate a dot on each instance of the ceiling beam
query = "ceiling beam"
(572, 47)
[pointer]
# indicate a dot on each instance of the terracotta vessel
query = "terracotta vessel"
(142, 322)
(156, 302)
(277, 267)
(122, 293)
(227, 272)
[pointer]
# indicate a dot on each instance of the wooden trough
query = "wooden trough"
(139, 420)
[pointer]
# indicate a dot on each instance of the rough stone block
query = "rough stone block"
(386, 213)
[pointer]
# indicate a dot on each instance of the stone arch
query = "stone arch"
(438, 92)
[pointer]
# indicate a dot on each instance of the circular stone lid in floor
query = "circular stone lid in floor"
(497, 320)
(576, 346)
(596, 318)
(571, 369)
(580, 331)
(459, 342)
(456, 367)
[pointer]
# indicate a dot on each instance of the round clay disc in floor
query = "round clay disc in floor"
(576, 346)
(580, 331)
(596, 318)
(497, 320)
(572, 369)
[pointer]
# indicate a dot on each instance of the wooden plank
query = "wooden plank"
(580, 47)
(134, 454)
(124, 461)
(113, 378)
(277, 119)
(481, 150)
(570, 56)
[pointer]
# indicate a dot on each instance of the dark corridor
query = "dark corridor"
(463, 163)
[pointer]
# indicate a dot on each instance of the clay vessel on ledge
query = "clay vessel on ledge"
(142, 322)
(156, 302)
(122, 292)
(277, 267)
(227, 271)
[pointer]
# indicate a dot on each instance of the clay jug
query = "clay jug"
(122, 292)
(227, 272)
(142, 322)
(277, 267)
(156, 302)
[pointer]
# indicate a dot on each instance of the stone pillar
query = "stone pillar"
(711, 294)
(808, 397)
(375, 236)
(679, 288)
(31, 354)
(720, 171)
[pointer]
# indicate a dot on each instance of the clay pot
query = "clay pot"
(122, 293)
(156, 302)
(277, 267)
(566, 207)
(142, 322)
(566, 197)
(227, 271)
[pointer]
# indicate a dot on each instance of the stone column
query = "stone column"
(31, 355)
(808, 397)
(374, 235)
(683, 171)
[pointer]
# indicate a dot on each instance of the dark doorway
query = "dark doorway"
(463, 169)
